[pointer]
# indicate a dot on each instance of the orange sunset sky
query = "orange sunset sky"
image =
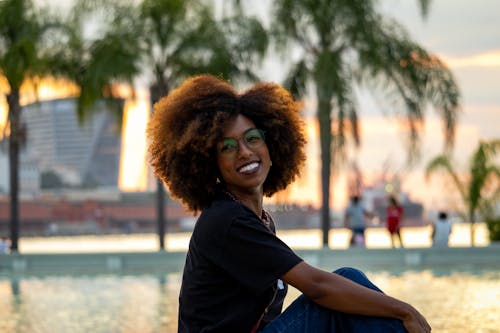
(463, 35)
(466, 38)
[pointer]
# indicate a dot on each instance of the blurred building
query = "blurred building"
(4, 169)
(84, 153)
(97, 212)
(375, 197)
(29, 173)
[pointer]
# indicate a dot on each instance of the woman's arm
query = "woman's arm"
(335, 292)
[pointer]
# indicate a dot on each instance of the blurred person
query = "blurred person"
(394, 215)
(441, 230)
(4, 245)
(354, 219)
(220, 152)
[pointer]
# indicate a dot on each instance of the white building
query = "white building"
(81, 154)
(29, 173)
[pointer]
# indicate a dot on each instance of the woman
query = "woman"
(394, 215)
(220, 152)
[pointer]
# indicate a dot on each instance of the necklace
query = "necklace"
(265, 217)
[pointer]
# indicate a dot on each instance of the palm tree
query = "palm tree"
(181, 38)
(346, 43)
(34, 46)
(476, 190)
(96, 62)
(23, 32)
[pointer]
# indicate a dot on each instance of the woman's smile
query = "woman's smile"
(249, 168)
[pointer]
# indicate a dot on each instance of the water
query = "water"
(103, 303)
(459, 299)
(453, 301)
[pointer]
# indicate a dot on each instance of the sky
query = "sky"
(464, 34)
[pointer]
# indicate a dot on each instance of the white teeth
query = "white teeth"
(249, 167)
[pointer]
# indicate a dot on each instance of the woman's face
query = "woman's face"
(242, 156)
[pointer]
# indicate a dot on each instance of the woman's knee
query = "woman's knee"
(357, 276)
(350, 273)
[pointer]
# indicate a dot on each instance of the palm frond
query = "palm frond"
(296, 80)
(424, 7)
(414, 77)
(443, 162)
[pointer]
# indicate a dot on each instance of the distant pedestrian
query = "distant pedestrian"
(4, 245)
(394, 215)
(441, 230)
(354, 219)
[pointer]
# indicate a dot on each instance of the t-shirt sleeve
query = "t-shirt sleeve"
(253, 255)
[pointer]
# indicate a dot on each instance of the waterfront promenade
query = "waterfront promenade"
(137, 253)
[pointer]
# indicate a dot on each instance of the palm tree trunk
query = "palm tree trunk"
(14, 141)
(160, 213)
(472, 225)
(156, 91)
(325, 143)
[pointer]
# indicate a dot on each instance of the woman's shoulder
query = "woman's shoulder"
(222, 211)
(217, 220)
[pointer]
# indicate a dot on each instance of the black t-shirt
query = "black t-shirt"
(232, 270)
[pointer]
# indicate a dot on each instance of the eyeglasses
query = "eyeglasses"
(252, 138)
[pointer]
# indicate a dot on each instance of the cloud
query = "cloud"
(485, 59)
(457, 27)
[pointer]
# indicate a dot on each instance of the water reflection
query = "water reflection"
(14, 286)
(458, 301)
(106, 303)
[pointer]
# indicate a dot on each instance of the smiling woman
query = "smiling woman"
(221, 152)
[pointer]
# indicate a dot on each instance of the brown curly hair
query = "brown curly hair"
(187, 124)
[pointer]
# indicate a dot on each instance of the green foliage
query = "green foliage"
(494, 228)
(34, 44)
(480, 190)
(20, 34)
(182, 38)
(50, 180)
(24, 31)
(95, 61)
(346, 43)
(349, 42)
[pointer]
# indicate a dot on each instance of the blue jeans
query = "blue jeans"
(305, 316)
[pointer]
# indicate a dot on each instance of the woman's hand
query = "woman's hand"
(414, 322)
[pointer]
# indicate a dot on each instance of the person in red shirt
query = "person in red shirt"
(394, 214)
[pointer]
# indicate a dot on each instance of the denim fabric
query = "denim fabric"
(305, 316)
